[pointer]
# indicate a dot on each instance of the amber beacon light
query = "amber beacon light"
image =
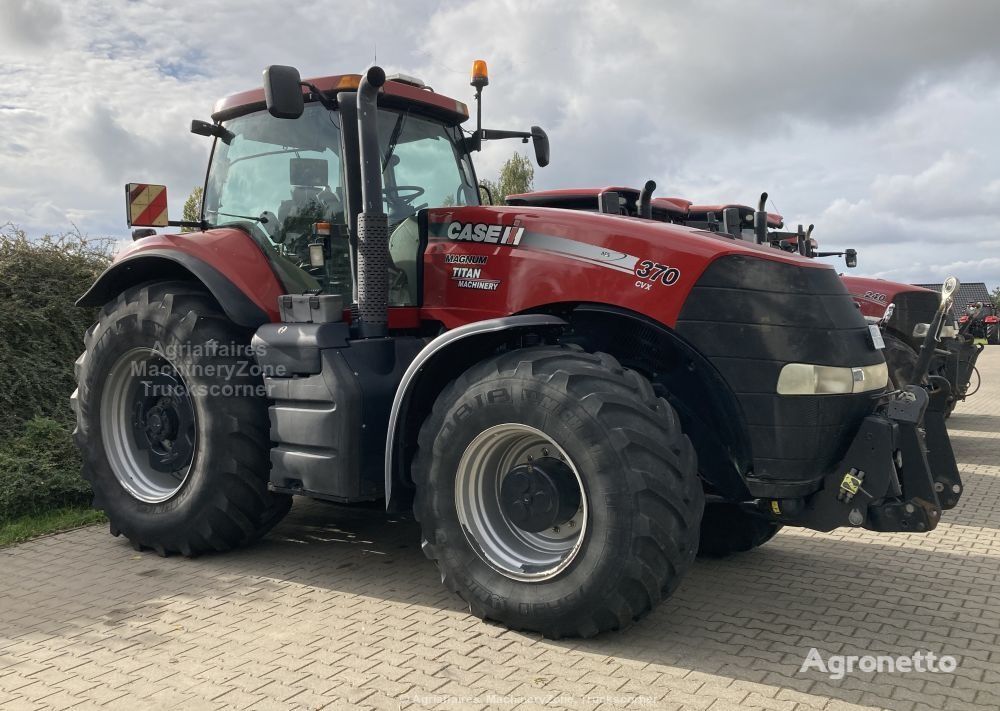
(480, 74)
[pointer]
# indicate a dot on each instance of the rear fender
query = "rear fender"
(157, 265)
(227, 261)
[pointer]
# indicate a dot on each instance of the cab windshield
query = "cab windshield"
(277, 178)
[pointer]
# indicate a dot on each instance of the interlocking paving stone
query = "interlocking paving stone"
(339, 609)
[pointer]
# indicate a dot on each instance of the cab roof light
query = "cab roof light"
(348, 82)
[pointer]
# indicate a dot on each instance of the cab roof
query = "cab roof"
(396, 93)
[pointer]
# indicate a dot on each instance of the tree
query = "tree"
(995, 295)
(516, 176)
(192, 208)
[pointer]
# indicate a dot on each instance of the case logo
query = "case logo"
(489, 234)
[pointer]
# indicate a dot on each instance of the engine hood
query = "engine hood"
(619, 232)
(874, 295)
(521, 258)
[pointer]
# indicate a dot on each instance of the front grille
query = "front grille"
(751, 316)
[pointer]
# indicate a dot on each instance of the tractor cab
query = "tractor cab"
(287, 183)
(295, 186)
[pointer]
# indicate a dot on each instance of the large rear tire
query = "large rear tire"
(172, 423)
(556, 492)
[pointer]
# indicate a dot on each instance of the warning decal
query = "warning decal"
(147, 205)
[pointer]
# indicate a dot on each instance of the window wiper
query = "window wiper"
(394, 139)
(259, 218)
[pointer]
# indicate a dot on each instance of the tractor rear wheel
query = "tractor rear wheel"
(172, 423)
(556, 492)
(728, 529)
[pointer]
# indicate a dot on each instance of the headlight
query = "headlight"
(808, 379)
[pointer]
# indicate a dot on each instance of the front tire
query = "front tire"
(556, 492)
(728, 529)
(172, 423)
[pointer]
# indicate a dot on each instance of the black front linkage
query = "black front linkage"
(898, 474)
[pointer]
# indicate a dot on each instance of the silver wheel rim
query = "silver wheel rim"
(129, 463)
(517, 554)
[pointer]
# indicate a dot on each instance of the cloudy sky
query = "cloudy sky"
(877, 121)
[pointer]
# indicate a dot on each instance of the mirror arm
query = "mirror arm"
(328, 103)
(491, 134)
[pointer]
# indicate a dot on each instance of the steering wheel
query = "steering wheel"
(412, 193)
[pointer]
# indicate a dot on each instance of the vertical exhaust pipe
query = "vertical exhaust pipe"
(373, 223)
(760, 220)
(646, 200)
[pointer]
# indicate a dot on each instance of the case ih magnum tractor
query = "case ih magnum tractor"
(903, 312)
(568, 402)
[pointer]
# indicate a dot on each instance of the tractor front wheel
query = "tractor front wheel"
(172, 423)
(556, 492)
(728, 529)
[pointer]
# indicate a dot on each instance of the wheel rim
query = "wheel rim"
(520, 554)
(148, 425)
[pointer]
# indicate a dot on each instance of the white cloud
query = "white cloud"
(30, 24)
(874, 120)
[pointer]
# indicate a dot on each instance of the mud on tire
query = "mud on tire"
(638, 473)
(221, 500)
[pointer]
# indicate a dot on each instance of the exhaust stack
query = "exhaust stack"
(760, 220)
(373, 223)
(646, 200)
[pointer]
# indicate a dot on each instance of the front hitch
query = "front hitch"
(898, 474)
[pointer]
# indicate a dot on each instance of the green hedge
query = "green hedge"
(40, 471)
(41, 331)
(41, 334)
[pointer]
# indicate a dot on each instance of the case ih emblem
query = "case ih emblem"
(147, 205)
(491, 234)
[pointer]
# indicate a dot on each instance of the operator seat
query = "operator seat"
(309, 202)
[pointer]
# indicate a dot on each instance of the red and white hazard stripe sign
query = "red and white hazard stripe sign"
(147, 205)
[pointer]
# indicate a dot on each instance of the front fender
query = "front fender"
(435, 366)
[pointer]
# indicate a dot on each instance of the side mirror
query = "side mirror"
(851, 258)
(541, 142)
(948, 289)
(283, 92)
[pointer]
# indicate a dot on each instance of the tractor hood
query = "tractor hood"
(520, 258)
(874, 295)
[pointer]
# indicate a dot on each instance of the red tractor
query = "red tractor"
(571, 404)
(902, 311)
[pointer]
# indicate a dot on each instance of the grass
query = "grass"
(27, 527)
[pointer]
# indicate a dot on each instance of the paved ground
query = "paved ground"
(338, 610)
